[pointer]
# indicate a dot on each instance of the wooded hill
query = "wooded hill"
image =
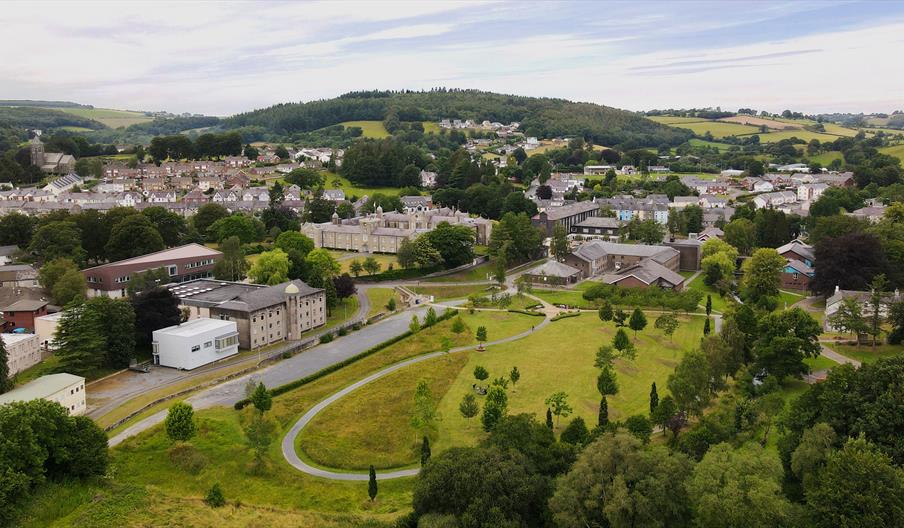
(540, 117)
(43, 118)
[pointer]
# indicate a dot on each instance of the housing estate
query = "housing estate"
(262, 314)
(183, 263)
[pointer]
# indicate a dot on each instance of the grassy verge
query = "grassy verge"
(442, 293)
(866, 353)
(378, 298)
(719, 302)
(477, 273)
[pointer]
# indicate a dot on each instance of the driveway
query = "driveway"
(287, 370)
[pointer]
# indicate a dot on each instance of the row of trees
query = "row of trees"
(180, 146)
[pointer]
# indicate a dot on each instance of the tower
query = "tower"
(36, 150)
(293, 317)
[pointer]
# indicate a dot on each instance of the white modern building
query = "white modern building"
(195, 343)
(22, 351)
(45, 329)
(66, 389)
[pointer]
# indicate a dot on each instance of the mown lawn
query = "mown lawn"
(371, 425)
(385, 261)
(820, 363)
(477, 273)
(334, 181)
(719, 303)
(452, 291)
(866, 353)
(378, 298)
(560, 357)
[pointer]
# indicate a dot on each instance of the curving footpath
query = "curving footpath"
(288, 442)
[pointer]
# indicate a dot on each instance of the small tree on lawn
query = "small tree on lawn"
(215, 498)
(259, 433)
(180, 422)
(430, 318)
(468, 407)
(481, 334)
(446, 345)
(549, 418)
(415, 325)
(575, 432)
(514, 376)
(603, 414)
(637, 322)
(481, 373)
(664, 413)
(619, 316)
(391, 304)
(706, 327)
(640, 427)
(458, 326)
(558, 403)
(372, 483)
(605, 312)
(495, 408)
(654, 398)
(621, 341)
(356, 268)
(425, 450)
(709, 304)
(604, 356)
(261, 398)
(668, 323)
(424, 414)
(607, 382)
(372, 266)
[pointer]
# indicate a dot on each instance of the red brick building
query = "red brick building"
(21, 314)
(183, 263)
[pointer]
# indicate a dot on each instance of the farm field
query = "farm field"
(826, 158)
(896, 151)
(758, 122)
(673, 120)
(369, 129)
(703, 143)
(718, 129)
(332, 180)
(109, 117)
(805, 135)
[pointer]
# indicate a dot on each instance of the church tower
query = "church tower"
(36, 149)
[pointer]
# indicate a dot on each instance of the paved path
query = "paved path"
(288, 443)
(819, 375)
(282, 372)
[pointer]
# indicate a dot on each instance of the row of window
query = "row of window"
(199, 263)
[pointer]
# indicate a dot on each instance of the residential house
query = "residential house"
(22, 314)
(797, 275)
(797, 250)
(334, 195)
(644, 274)
(873, 213)
(810, 191)
(833, 303)
(18, 276)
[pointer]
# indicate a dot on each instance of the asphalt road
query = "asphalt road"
(282, 372)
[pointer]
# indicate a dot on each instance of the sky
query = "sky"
(222, 58)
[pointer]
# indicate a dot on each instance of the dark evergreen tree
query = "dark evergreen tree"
(372, 483)
(425, 451)
(603, 415)
(654, 398)
(549, 418)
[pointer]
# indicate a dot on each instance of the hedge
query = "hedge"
(686, 300)
(397, 274)
(292, 385)
(565, 315)
(527, 312)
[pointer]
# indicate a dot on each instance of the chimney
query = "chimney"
(836, 289)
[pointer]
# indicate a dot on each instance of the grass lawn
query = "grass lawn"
(674, 120)
(565, 297)
(335, 181)
(443, 293)
(477, 273)
(820, 363)
(787, 298)
(353, 432)
(369, 129)
(826, 158)
(560, 358)
(383, 260)
(866, 354)
(48, 366)
(723, 147)
(109, 117)
(719, 303)
(378, 298)
(343, 311)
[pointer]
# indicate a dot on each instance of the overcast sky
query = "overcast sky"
(224, 58)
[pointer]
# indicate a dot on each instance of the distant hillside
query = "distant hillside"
(42, 104)
(541, 117)
(44, 119)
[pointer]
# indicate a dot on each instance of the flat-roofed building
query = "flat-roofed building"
(566, 216)
(66, 389)
(45, 329)
(195, 343)
(183, 263)
(22, 351)
(604, 227)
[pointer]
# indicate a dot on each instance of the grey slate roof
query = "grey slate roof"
(266, 297)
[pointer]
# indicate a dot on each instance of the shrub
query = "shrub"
(326, 338)
(187, 458)
(342, 332)
(214, 497)
(565, 315)
(527, 312)
(686, 300)
(180, 422)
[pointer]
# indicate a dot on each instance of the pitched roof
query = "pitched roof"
(186, 251)
(554, 268)
(647, 271)
(265, 297)
(557, 213)
(597, 249)
(24, 305)
(798, 247)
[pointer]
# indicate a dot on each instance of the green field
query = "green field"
(378, 297)
(805, 135)
(826, 158)
(110, 118)
(544, 365)
(719, 303)
(896, 151)
(703, 143)
(335, 181)
(719, 129)
(819, 363)
(383, 260)
(866, 353)
(452, 291)
(674, 120)
(369, 129)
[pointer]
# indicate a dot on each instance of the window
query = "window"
(208, 344)
(172, 270)
(196, 348)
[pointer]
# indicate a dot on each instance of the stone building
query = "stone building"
(52, 162)
(384, 232)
